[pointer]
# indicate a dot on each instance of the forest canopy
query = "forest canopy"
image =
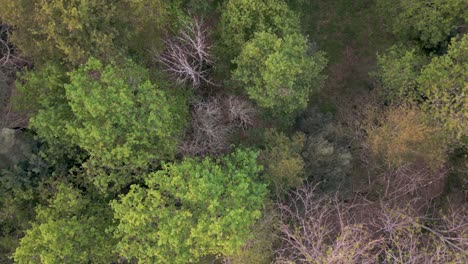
(233, 131)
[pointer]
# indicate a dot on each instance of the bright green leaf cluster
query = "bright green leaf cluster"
(278, 73)
(120, 117)
(444, 82)
(399, 68)
(42, 95)
(439, 85)
(241, 19)
(430, 22)
(191, 209)
(113, 112)
(71, 229)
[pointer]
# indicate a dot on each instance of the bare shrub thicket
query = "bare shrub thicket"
(187, 56)
(241, 112)
(411, 184)
(318, 228)
(327, 154)
(321, 229)
(213, 121)
(411, 238)
(209, 131)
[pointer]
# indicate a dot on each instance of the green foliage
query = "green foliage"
(42, 96)
(22, 172)
(201, 7)
(284, 166)
(403, 136)
(430, 22)
(399, 68)
(74, 30)
(278, 73)
(260, 249)
(241, 19)
(120, 117)
(191, 209)
(111, 122)
(113, 112)
(70, 29)
(444, 82)
(71, 229)
(438, 85)
(146, 23)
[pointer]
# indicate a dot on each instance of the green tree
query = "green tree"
(74, 30)
(71, 229)
(41, 95)
(284, 166)
(399, 68)
(113, 112)
(278, 73)
(444, 82)
(120, 117)
(430, 22)
(438, 85)
(241, 19)
(191, 209)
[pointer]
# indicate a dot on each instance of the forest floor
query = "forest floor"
(350, 32)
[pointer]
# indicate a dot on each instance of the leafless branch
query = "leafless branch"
(409, 239)
(187, 56)
(210, 132)
(321, 229)
(241, 112)
(214, 119)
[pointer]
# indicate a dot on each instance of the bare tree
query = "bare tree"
(321, 229)
(209, 129)
(214, 119)
(408, 181)
(241, 112)
(187, 56)
(408, 237)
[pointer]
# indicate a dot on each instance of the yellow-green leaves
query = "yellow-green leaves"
(120, 117)
(74, 30)
(191, 209)
(429, 22)
(439, 86)
(71, 229)
(444, 82)
(399, 67)
(278, 73)
(113, 112)
(241, 19)
(284, 165)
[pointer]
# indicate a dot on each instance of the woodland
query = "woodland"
(233, 131)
